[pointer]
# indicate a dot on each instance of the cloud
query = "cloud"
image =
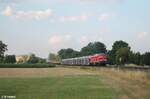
(79, 18)
(59, 41)
(7, 1)
(62, 1)
(102, 0)
(85, 39)
(37, 15)
(92, 1)
(105, 17)
(41, 14)
(7, 11)
(142, 35)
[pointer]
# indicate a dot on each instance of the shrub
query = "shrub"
(10, 59)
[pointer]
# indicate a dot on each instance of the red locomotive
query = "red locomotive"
(97, 59)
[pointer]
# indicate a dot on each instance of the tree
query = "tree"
(22, 58)
(41, 60)
(10, 59)
(93, 48)
(122, 55)
(137, 58)
(119, 44)
(3, 48)
(87, 50)
(53, 57)
(33, 59)
(110, 57)
(146, 58)
(90, 49)
(132, 57)
(116, 46)
(68, 53)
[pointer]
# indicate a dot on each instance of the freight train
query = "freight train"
(97, 59)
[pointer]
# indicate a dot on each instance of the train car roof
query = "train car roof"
(84, 56)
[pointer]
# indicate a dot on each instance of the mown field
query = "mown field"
(74, 83)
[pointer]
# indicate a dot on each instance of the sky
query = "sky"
(44, 26)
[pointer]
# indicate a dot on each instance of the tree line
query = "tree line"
(120, 54)
(31, 58)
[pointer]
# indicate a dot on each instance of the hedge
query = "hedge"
(26, 65)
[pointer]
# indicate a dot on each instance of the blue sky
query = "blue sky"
(43, 26)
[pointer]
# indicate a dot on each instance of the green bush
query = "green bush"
(26, 65)
(10, 59)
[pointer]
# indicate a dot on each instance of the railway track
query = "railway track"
(137, 68)
(134, 68)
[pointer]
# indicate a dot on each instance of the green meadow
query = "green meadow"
(73, 83)
(67, 87)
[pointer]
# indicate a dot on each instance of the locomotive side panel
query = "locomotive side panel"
(99, 59)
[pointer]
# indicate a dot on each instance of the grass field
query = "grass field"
(73, 83)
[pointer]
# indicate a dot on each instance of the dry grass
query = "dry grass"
(42, 72)
(138, 76)
(133, 84)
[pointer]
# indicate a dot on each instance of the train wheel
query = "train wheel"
(91, 64)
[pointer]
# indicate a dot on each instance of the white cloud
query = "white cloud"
(59, 41)
(37, 15)
(41, 14)
(79, 18)
(92, 1)
(62, 1)
(56, 40)
(142, 35)
(102, 0)
(105, 17)
(7, 11)
(85, 39)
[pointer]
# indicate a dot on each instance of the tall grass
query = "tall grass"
(127, 75)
